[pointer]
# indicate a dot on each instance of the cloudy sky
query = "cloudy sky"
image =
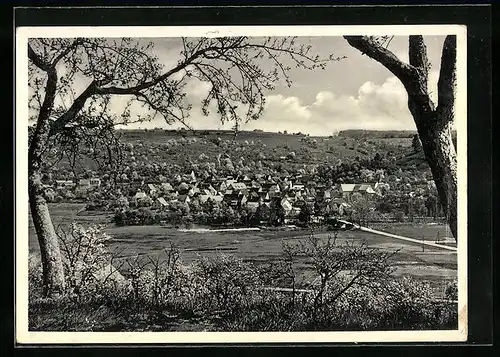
(353, 93)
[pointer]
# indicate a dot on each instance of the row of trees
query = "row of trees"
(210, 213)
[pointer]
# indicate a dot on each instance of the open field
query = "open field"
(263, 247)
(416, 230)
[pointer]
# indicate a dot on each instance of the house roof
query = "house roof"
(254, 199)
(238, 185)
(166, 186)
(217, 198)
(151, 187)
(255, 184)
(162, 201)
(347, 187)
(356, 187)
(286, 204)
(183, 198)
(203, 198)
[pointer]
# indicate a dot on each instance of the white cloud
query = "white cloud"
(197, 90)
(376, 106)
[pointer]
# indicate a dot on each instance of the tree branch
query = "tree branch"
(382, 55)
(67, 50)
(94, 88)
(447, 77)
(133, 90)
(417, 53)
(41, 133)
(413, 78)
(35, 58)
(70, 114)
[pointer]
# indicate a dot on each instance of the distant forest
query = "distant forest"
(381, 134)
(358, 134)
(377, 134)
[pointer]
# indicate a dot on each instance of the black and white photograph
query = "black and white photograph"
(278, 183)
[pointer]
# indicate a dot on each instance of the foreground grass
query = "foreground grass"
(272, 315)
(72, 316)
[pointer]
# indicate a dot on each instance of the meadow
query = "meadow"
(263, 247)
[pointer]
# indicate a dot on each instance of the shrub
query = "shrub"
(340, 267)
(409, 303)
(35, 276)
(228, 283)
(136, 217)
(88, 266)
(398, 216)
(350, 288)
(451, 290)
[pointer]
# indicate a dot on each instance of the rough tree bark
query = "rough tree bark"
(433, 123)
(53, 277)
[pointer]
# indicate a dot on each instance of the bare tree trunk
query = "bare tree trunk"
(53, 273)
(53, 270)
(438, 147)
(433, 124)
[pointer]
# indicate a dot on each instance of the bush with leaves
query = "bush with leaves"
(136, 217)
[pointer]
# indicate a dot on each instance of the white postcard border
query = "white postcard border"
(23, 336)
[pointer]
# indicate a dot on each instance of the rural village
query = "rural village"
(218, 193)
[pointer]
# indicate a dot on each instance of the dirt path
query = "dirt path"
(418, 241)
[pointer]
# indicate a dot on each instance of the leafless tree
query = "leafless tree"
(338, 267)
(434, 122)
(127, 67)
